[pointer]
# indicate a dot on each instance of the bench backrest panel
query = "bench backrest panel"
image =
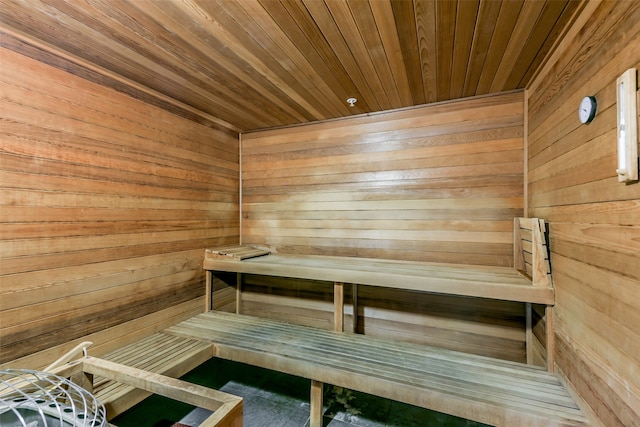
(531, 251)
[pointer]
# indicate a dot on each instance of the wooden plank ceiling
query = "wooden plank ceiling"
(255, 64)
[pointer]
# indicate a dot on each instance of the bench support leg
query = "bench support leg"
(529, 333)
(550, 336)
(208, 296)
(315, 416)
(238, 292)
(338, 308)
(354, 299)
(83, 380)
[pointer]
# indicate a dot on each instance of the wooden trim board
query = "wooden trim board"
(235, 252)
(227, 407)
(158, 353)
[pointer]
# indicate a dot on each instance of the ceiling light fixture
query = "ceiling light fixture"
(352, 102)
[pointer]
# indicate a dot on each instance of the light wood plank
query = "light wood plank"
(338, 309)
(591, 216)
(342, 175)
(316, 404)
(507, 392)
(486, 282)
(103, 207)
(157, 354)
(226, 407)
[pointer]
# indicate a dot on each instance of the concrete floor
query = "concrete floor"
(273, 399)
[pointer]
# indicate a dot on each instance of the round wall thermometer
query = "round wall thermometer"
(587, 110)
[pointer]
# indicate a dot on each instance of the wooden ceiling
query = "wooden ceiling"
(255, 64)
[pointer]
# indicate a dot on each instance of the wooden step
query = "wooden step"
(159, 353)
(487, 390)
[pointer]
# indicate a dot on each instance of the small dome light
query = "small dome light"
(352, 102)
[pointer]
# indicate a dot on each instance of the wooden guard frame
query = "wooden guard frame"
(531, 252)
(531, 257)
(227, 407)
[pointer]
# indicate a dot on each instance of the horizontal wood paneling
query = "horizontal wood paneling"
(261, 64)
(113, 338)
(105, 206)
(438, 183)
(485, 327)
(594, 228)
(538, 343)
(304, 302)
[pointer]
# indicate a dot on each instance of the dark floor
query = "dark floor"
(273, 399)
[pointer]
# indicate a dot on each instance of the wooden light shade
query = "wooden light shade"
(626, 88)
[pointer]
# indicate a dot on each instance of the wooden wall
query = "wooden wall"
(594, 220)
(436, 183)
(106, 205)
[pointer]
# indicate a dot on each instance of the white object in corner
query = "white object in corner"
(626, 87)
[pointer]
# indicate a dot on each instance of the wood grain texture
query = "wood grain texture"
(262, 64)
(593, 218)
(226, 408)
(480, 326)
(502, 283)
(487, 390)
(159, 354)
(110, 339)
(438, 183)
(104, 200)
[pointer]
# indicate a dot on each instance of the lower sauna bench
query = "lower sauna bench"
(483, 389)
(159, 353)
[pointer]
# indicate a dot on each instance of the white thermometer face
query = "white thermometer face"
(587, 110)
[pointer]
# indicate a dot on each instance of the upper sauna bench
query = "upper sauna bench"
(503, 283)
(528, 282)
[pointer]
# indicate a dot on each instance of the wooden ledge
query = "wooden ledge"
(235, 252)
(479, 388)
(502, 283)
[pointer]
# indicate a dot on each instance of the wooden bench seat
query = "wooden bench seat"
(159, 353)
(483, 389)
(529, 281)
(502, 283)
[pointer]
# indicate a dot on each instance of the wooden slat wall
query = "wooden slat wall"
(304, 302)
(486, 327)
(437, 183)
(594, 220)
(261, 64)
(106, 204)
